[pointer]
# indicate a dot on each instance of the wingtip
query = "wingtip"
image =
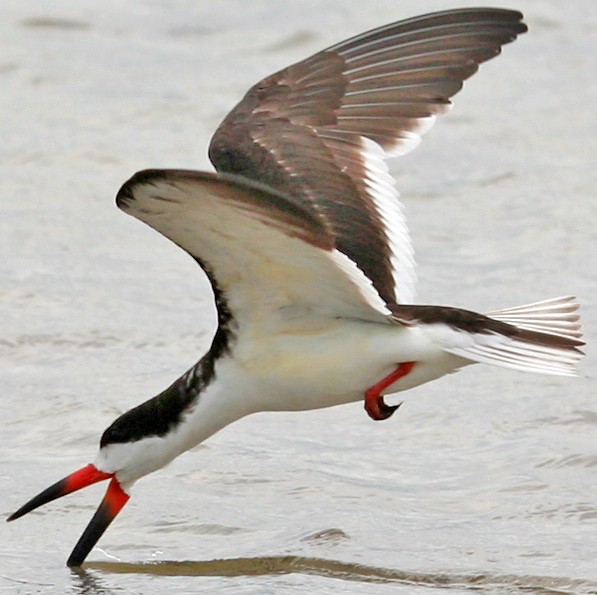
(125, 195)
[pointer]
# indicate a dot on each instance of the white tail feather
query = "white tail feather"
(558, 316)
(554, 319)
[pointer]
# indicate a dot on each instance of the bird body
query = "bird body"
(303, 239)
(280, 375)
(284, 367)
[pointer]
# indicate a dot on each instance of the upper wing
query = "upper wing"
(319, 130)
(263, 251)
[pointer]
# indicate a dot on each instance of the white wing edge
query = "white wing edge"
(385, 197)
(360, 281)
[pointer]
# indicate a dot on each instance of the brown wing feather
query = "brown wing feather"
(301, 130)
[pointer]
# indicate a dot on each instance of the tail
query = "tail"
(543, 337)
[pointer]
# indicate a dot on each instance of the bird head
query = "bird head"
(124, 456)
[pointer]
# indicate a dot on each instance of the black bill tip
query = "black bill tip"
(79, 479)
(110, 506)
(54, 491)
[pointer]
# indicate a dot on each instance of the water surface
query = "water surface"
(482, 482)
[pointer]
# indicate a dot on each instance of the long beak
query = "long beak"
(110, 506)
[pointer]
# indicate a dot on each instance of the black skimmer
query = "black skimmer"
(304, 241)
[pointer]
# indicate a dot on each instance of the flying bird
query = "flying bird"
(303, 239)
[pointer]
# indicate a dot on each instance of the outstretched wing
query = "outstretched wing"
(320, 129)
(263, 251)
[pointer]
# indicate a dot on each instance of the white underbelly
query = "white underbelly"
(333, 362)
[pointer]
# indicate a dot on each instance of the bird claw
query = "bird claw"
(378, 409)
(375, 406)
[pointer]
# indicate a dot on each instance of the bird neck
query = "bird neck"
(189, 411)
(161, 414)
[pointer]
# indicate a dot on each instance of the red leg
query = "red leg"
(374, 403)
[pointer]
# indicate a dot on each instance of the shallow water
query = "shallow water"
(482, 482)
